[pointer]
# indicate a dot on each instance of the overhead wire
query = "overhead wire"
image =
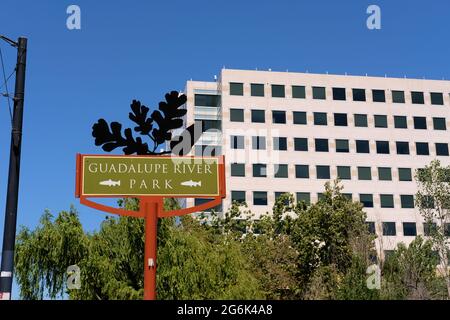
(5, 84)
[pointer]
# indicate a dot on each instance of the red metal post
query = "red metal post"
(152, 208)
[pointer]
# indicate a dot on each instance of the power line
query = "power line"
(5, 84)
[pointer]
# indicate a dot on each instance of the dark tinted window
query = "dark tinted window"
(301, 144)
(298, 92)
(280, 170)
(378, 96)
(257, 89)
(280, 143)
(359, 94)
(360, 120)
(380, 121)
(400, 122)
(420, 122)
(238, 170)
(299, 117)
(278, 91)
(422, 149)
(206, 100)
(371, 227)
(236, 89)
(278, 117)
(437, 98)
(407, 201)
(387, 200)
(321, 145)
(439, 124)
(304, 196)
(429, 228)
(342, 145)
(382, 147)
(409, 229)
(319, 93)
(398, 96)
(259, 170)
(404, 174)
(302, 171)
(258, 116)
(320, 119)
(362, 146)
(389, 229)
(237, 115)
(209, 124)
(238, 196)
(441, 149)
(344, 172)
(364, 173)
(402, 147)
(260, 198)
(384, 174)
(417, 97)
(323, 172)
(366, 200)
(339, 94)
(340, 119)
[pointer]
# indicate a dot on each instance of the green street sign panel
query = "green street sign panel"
(116, 176)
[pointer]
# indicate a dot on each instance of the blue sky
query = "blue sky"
(142, 49)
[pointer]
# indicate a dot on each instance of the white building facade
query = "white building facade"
(291, 132)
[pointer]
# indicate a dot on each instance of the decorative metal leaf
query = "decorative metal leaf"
(139, 116)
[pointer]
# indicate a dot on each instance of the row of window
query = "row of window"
(322, 172)
(340, 119)
(342, 145)
(409, 228)
(338, 94)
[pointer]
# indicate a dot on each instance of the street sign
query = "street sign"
(122, 176)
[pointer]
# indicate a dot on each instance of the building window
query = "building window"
(298, 92)
(389, 229)
(417, 97)
(420, 122)
(380, 121)
(257, 89)
(371, 227)
(278, 91)
(238, 169)
(360, 120)
(378, 96)
(258, 116)
(323, 172)
(206, 100)
(398, 96)
(384, 174)
(359, 94)
(409, 229)
(342, 145)
(259, 198)
(278, 117)
(320, 196)
(258, 143)
(319, 93)
(426, 202)
(299, 117)
(429, 228)
(439, 124)
(237, 115)
(400, 122)
(207, 150)
(441, 149)
(302, 171)
(280, 143)
(404, 174)
(364, 173)
(320, 119)
(407, 201)
(236, 89)
(321, 145)
(339, 94)
(344, 173)
(301, 144)
(237, 142)
(366, 200)
(304, 196)
(382, 147)
(238, 196)
(402, 147)
(200, 201)
(280, 170)
(340, 119)
(259, 170)
(437, 98)
(387, 200)
(209, 124)
(422, 149)
(362, 146)
(348, 196)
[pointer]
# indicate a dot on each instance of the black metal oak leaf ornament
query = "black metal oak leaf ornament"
(168, 118)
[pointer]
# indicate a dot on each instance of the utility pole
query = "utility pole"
(9, 234)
